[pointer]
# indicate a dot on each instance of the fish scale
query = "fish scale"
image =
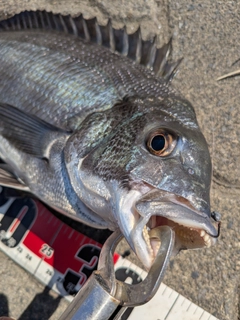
(115, 153)
(80, 107)
(71, 73)
(69, 100)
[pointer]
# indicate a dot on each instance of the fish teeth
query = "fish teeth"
(202, 233)
(206, 238)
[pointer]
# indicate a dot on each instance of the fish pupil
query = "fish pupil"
(158, 143)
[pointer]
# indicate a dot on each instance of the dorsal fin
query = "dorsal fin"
(130, 45)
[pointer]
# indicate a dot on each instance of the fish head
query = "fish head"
(155, 165)
(169, 179)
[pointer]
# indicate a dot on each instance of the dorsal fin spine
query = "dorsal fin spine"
(73, 25)
(29, 22)
(55, 22)
(41, 18)
(85, 28)
(35, 19)
(111, 36)
(63, 24)
(143, 52)
(98, 33)
(139, 46)
(125, 43)
(152, 54)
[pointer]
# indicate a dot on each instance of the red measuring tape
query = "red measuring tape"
(57, 254)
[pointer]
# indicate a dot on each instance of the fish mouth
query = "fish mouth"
(193, 229)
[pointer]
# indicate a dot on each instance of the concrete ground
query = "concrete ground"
(206, 33)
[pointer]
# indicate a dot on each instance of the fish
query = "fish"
(91, 124)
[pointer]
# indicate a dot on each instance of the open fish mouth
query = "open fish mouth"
(193, 229)
(185, 237)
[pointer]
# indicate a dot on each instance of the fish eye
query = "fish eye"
(161, 143)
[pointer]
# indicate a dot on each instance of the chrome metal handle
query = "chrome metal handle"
(103, 293)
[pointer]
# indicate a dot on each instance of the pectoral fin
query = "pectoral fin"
(8, 179)
(27, 133)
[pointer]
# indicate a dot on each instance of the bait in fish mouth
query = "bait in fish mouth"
(91, 124)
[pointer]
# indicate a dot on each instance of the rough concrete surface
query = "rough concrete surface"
(206, 33)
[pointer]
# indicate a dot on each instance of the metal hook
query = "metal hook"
(137, 294)
(103, 293)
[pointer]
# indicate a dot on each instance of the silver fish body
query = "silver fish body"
(101, 138)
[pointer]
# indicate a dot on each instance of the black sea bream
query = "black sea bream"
(99, 135)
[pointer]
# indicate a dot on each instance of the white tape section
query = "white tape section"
(167, 304)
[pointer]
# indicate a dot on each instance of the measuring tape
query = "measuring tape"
(63, 258)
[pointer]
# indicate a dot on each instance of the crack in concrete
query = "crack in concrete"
(222, 181)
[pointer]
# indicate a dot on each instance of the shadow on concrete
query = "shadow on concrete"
(42, 306)
(4, 311)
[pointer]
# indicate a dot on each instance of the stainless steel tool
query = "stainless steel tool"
(104, 297)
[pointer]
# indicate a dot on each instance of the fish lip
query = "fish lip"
(199, 222)
(172, 200)
(205, 222)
